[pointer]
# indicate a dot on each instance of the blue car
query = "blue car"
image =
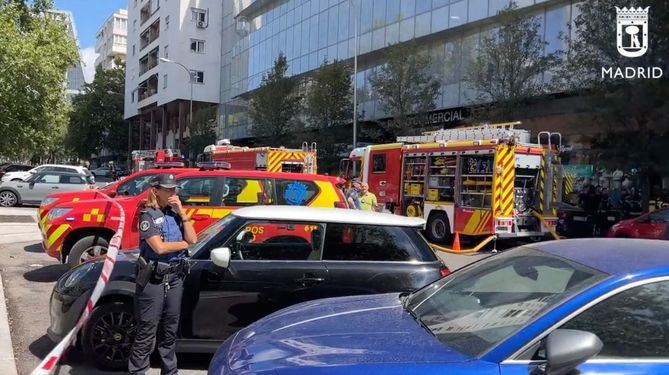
(573, 306)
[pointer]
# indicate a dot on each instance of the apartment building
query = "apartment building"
(173, 63)
(112, 40)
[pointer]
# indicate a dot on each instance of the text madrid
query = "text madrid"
(632, 72)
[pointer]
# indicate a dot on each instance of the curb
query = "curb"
(7, 361)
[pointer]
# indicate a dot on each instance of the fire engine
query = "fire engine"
(145, 159)
(270, 159)
(486, 180)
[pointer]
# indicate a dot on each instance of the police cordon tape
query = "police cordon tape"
(50, 362)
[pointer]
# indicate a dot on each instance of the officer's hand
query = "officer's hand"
(175, 203)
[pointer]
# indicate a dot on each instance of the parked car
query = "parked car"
(22, 175)
(80, 230)
(9, 167)
(39, 185)
(253, 262)
(595, 306)
(102, 172)
(652, 225)
(575, 222)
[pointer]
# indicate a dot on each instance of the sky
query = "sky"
(88, 17)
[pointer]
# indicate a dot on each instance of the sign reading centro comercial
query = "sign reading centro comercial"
(444, 116)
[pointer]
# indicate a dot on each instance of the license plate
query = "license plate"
(580, 218)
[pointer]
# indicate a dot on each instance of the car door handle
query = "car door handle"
(55, 187)
(307, 281)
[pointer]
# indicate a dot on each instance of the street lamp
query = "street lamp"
(355, 75)
(190, 77)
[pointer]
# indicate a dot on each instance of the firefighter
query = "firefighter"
(165, 233)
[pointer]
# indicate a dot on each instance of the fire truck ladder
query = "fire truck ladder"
(309, 157)
(502, 131)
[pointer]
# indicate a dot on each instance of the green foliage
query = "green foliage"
(35, 53)
(202, 131)
(97, 120)
(329, 106)
(509, 65)
(405, 86)
(275, 104)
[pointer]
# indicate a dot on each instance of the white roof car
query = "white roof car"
(327, 215)
(21, 176)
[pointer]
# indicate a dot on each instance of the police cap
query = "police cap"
(165, 180)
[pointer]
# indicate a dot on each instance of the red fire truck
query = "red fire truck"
(270, 159)
(145, 159)
(484, 180)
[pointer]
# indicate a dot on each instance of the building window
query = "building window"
(167, 56)
(134, 26)
(198, 15)
(132, 97)
(164, 81)
(167, 22)
(197, 46)
(197, 76)
(133, 50)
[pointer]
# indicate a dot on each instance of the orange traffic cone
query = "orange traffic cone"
(456, 242)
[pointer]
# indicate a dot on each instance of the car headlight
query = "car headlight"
(80, 278)
(47, 201)
(57, 212)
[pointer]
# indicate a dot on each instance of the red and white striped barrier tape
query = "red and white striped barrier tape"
(50, 362)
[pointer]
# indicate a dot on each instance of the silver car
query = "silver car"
(39, 185)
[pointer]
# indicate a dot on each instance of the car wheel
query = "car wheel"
(109, 334)
(438, 228)
(8, 199)
(87, 248)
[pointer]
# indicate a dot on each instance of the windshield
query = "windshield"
(474, 309)
(209, 232)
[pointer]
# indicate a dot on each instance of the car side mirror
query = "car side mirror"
(112, 194)
(568, 348)
(31, 184)
(221, 257)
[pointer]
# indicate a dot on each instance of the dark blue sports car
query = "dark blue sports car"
(573, 306)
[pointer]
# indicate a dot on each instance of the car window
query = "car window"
(48, 179)
(71, 180)
(135, 185)
(39, 169)
(367, 243)
(479, 306)
(247, 192)
(265, 240)
(197, 191)
(295, 193)
(631, 324)
(660, 216)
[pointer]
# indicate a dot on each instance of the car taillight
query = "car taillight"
(444, 271)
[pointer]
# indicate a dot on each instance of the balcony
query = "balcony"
(148, 88)
(147, 10)
(149, 61)
(149, 35)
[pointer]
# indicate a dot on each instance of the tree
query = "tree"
(275, 104)
(632, 112)
(202, 131)
(97, 120)
(509, 66)
(35, 53)
(329, 106)
(405, 86)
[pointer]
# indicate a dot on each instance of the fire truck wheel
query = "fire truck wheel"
(87, 248)
(109, 334)
(438, 229)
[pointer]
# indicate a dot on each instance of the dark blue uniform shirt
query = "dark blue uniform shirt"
(164, 223)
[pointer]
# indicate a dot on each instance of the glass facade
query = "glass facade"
(310, 32)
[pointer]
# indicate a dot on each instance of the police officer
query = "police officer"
(165, 233)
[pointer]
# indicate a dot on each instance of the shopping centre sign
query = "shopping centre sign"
(446, 116)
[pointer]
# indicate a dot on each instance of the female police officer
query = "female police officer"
(165, 233)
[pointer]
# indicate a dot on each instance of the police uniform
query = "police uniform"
(158, 303)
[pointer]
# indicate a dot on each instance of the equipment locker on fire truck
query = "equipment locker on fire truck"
(271, 159)
(486, 180)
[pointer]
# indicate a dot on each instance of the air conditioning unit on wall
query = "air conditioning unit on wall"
(201, 24)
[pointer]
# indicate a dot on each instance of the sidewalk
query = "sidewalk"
(18, 225)
(7, 362)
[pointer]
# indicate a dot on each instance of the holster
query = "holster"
(144, 272)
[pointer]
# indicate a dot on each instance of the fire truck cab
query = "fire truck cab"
(146, 159)
(487, 180)
(270, 159)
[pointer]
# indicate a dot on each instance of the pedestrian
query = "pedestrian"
(165, 233)
(367, 198)
(352, 195)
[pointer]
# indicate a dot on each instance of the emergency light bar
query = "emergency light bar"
(214, 165)
(169, 164)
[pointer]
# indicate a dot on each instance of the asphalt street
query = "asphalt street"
(29, 275)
